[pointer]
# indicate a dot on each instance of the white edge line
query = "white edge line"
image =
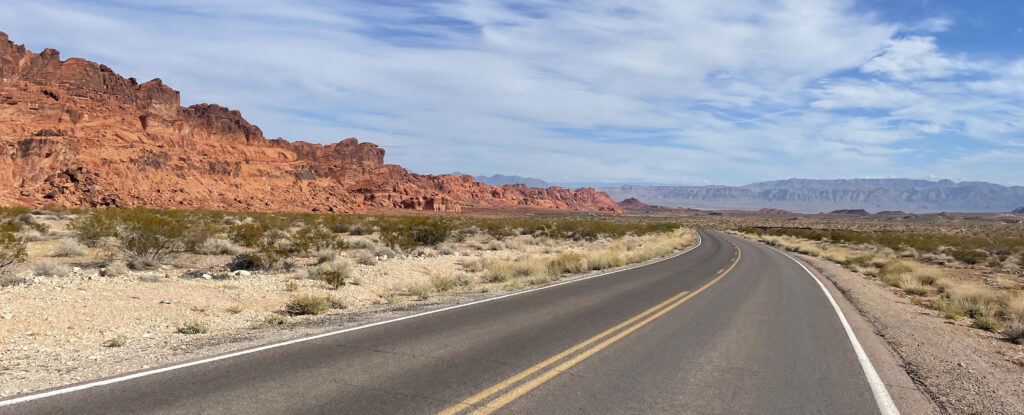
(119, 379)
(885, 403)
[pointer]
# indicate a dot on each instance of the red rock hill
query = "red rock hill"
(74, 133)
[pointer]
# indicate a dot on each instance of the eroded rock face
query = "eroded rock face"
(74, 133)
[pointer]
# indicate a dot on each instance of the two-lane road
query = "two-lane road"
(729, 327)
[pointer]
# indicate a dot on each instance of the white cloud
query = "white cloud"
(915, 57)
(662, 91)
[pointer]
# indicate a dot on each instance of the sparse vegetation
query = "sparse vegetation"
(193, 327)
(989, 308)
(421, 291)
(443, 282)
(12, 250)
(68, 248)
(308, 305)
(116, 341)
(50, 268)
(407, 232)
(276, 319)
(334, 272)
(1015, 331)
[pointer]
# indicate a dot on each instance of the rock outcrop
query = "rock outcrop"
(632, 203)
(74, 133)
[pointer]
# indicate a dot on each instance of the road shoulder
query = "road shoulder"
(929, 364)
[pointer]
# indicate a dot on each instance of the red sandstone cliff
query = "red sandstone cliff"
(74, 133)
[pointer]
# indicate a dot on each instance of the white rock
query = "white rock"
(241, 273)
(207, 277)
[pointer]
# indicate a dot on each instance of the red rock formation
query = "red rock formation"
(633, 203)
(74, 133)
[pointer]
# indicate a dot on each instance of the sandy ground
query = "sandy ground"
(53, 328)
(964, 370)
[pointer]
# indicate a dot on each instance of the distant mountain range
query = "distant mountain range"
(812, 196)
(501, 180)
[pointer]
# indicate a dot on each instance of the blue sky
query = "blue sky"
(682, 92)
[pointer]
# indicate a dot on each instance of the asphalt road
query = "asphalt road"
(729, 327)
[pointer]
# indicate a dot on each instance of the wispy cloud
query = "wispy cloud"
(665, 91)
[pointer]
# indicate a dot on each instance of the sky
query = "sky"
(668, 92)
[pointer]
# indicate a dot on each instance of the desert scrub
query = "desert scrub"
(146, 237)
(68, 248)
(334, 272)
(1014, 331)
(408, 232)
(503, 270)
(115, 269)
(308, 304)
(603, 259)
(91, 228)
(967, 256)
(116, 341)
(968, 249)
(193, 327)
(218, 246)
(987, 323)
(471, 264)
(315, 238)
(421, 291)
(275, 319)
(12, 250)
(442, 282)
(364, 257)
(568, 263)
(50, 268)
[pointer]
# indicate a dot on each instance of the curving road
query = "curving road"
(729, 327)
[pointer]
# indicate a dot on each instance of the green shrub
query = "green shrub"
(968, 256)
(407, 232)
(987, 323)
(91, 228)
(12, 250)
(249, 235)
(308, 305)
(315, 238)
(194, 327)
(146, 237)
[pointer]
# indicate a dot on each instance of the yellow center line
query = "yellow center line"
(532, 384)
(502, 385)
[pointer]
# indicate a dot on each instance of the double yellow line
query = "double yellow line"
(631, 325)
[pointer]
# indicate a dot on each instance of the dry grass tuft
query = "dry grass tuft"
(193, 327)
(50, 268)
(68, 248)
(421, 291)
(308, 305)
